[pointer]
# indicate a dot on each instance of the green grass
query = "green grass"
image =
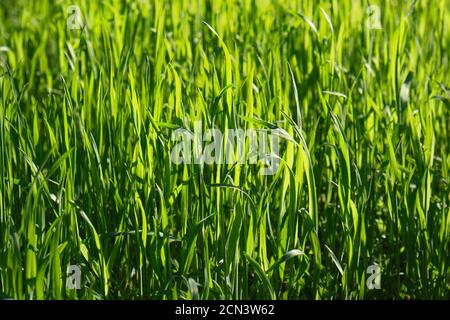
(86, 179)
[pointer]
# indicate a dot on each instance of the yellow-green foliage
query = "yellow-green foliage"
(86, 178)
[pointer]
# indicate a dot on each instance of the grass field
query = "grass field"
(359, 97)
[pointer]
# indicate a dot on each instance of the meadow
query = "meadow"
(91, 92)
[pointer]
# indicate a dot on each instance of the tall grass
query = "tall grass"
(86, 178)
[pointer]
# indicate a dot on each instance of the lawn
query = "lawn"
(226, 149)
